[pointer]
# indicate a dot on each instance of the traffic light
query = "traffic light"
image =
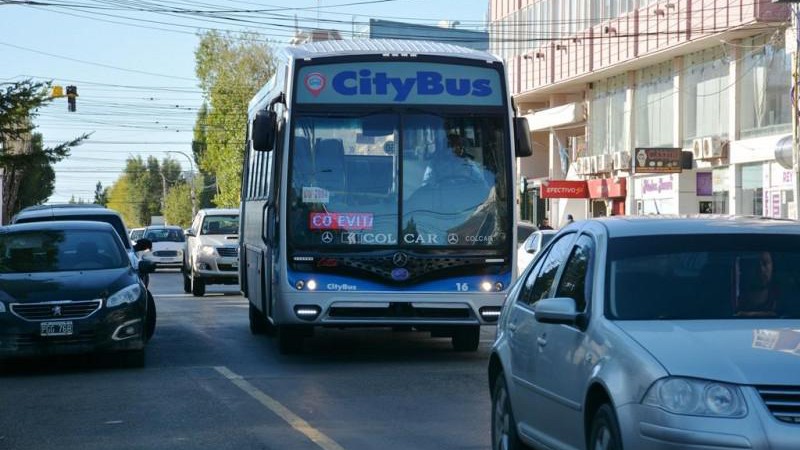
(72, 94)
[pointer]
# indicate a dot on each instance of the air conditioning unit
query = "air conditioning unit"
(578, 165)
(697, 149)
(712, 147)
(593, 163)
(622, 161)
(605, 163)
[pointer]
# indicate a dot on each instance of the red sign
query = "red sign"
(607, 188)
(340, 221)
(563, 189)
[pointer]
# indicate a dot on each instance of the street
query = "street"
(208, 383)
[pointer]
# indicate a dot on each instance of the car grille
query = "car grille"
(165, 253)
(228, 251)
(55, 310)
(782, 401)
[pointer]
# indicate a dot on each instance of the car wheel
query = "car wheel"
(187, 283)
(290, 339)
(466, 339)
(504, 427)
(150, 320)
(198, 286)
(605, 430)
(132, 358)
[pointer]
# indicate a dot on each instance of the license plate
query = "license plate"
(56, 328)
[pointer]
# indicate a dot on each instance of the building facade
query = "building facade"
(599, 79)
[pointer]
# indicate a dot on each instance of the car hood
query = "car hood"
(174, 246)
(220, 240)
(52, 286)
(736, 351)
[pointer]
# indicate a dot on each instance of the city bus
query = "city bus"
(378, 191)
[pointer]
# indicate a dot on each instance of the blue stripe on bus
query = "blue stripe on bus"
(337, 283)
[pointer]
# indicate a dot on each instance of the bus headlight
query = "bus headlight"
(486, 286)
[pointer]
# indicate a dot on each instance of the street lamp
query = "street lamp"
(191, 179)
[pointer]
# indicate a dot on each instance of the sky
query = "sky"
(134, 67)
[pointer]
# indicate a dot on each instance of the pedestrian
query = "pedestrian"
(545, 225)
(570, 219)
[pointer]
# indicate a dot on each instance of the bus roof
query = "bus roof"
(384, 47)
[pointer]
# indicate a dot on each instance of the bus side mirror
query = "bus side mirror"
(264, 131)
(522, 137)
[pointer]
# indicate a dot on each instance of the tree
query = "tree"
(178, 205)
(100, 194)
(22, 156)
(231, 68)
(119, 195)
(204, 195)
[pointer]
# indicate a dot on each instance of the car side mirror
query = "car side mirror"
(189, 232)
(522, 137)
(146, 266)
(559, 310)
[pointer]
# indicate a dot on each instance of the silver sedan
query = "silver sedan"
(653, 333)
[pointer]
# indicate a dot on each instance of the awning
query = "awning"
(558, 116)
(607, 188)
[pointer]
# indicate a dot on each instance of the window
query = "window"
(653, 106)
(574, 281)
(706, 90)
(765, 77)
(549, 268)
(607, 124)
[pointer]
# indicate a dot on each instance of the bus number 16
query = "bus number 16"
(462, 287)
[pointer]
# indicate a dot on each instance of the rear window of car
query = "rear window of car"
(702, 277)
(165, 235)
(111, 219)
(60, 251)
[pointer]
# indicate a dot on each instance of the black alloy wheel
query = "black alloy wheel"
(466, 339)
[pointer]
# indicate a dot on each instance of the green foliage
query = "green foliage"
(231, 69)
(138, 194)
(18, 107)
(178, 205)
(100, 194)
(118, 199)
(37, 180)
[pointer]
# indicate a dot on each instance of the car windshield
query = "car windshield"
(409, 180)
(227, 224)
(60, 251)
(693, 277)
(165, 235)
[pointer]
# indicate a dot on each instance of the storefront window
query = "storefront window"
(653, 113)
(719, 183)
(751, 199)
(766, 75)
(705, 102)
(607, 124)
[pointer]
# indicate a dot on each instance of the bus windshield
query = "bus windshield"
(411, 180)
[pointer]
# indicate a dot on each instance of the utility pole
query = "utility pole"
(191, 180)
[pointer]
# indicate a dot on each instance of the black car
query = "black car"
(69, 287)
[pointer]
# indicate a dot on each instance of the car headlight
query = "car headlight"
(207, 250)
(126, 295)
(695, 397)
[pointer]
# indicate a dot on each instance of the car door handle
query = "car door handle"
(512, 327)
(542, 340)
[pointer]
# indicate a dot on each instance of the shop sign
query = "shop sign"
(658, 160)
(656, 187)
(607, 188)
(564, 189)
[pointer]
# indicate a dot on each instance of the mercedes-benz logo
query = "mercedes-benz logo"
(56, 311)
(327, 237)
(452, 239)
(400, 259)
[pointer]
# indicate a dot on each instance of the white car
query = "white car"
(212, 250)
(168, 245)
(532, 246)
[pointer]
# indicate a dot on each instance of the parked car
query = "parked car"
(212, 250)
(68, 287)
(524, 229)
(643, 333)
(168, 245)
(532, 246)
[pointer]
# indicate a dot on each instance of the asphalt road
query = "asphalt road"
(209, 384)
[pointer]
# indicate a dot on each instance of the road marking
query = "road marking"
(281, 411)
